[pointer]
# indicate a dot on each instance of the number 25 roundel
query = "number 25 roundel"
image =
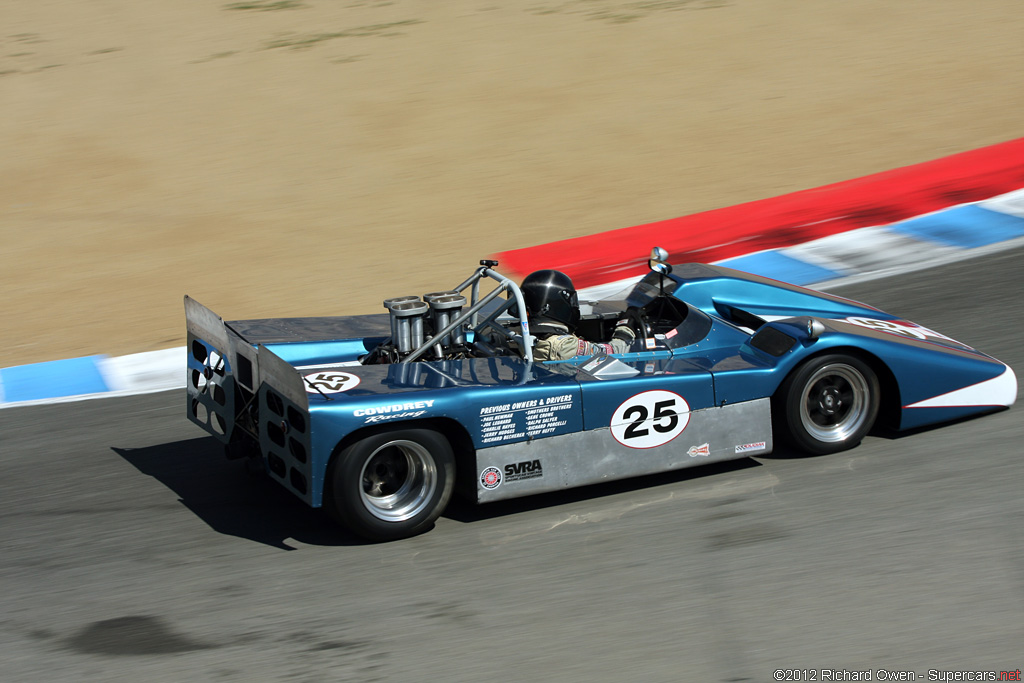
(650, 419)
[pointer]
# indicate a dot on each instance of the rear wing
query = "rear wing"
(236, 391)
(222, 373)
(277, 373)
(284, 430)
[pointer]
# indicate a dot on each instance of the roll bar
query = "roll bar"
(515, 298)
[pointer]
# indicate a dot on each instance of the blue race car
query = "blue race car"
(381, 418)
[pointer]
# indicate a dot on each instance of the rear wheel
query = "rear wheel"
(828, 404)
(391, 485)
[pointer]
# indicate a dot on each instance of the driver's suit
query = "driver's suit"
(556, 342)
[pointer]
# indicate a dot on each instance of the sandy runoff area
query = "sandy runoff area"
(313, 157)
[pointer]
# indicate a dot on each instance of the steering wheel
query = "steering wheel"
(637, 321)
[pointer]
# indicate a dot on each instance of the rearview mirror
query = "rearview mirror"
(657, 261)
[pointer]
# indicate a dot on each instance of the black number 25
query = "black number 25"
(662, 410)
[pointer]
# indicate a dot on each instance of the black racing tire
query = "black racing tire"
(827, 405)
(391, 485)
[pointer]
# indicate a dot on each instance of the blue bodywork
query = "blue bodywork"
(304, 388)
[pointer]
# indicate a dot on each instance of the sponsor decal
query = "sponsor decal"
(490, 478)
(528, 469)
(395, 416)
(903, 328)
(703, 449)
(330, 382)
(650, 343)
(650, 419)
(393, 411)
(671, 333)
(747, 447)
(532, 418)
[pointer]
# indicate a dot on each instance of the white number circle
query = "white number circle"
(331, 382)
(650, 419)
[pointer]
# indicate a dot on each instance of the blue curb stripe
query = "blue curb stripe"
(966, 226)
(779, 266)
(55, 379)
(961, 227)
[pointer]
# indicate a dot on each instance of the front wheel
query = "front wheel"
(391, 485)
(828, 404)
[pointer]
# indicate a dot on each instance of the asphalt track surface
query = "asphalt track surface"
(132, 551)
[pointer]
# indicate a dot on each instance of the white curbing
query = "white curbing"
(145, 372)
(848, 258)
(1011, 203)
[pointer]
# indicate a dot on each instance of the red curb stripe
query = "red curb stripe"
(783, 221)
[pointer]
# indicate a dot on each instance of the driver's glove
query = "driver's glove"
(623, 332)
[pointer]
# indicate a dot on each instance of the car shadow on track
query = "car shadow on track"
(784, 452)
(466, 511)
(224, 495)
(232, 501)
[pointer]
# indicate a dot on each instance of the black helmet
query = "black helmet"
(549, 294)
